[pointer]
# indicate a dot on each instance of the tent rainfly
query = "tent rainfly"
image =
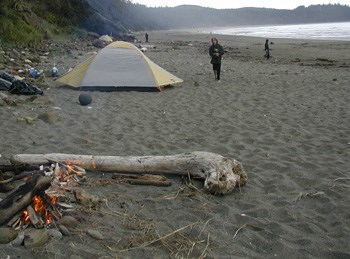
(118, 66)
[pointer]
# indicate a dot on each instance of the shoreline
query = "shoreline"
(275, 26)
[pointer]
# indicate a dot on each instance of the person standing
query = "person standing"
(267, 49)
(216, 51)
(146, 37)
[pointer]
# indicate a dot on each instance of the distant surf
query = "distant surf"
(317, 31)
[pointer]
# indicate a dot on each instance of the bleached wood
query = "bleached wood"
(221, 174)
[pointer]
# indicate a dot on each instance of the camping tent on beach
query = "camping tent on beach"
(118, 66)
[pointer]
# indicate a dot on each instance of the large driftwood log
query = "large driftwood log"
(221, 174)
(22, 197)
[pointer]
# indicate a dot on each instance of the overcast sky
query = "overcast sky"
(220, 4)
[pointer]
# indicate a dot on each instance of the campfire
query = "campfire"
(39, 202)
(42, 211)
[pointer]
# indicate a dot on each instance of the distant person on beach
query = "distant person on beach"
(146, 37)
(216, 51)
(267, 49)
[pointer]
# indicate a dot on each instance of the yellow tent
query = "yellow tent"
(118, 66)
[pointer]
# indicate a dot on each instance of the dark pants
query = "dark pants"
(217, 68)
(267, 54)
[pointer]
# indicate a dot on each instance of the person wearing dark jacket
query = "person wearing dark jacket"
(267, 49)
(216, 51)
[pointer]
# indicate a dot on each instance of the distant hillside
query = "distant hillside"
(31, 22)
(194, 16)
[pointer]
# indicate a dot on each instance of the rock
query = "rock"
(85, 99)
(55, 234)
(7, 235)
(64, 230)
(35, 237)
(69, 222)
(98, 43)
(49, 117)
(25, 119)
(15, 53)
(95, 234)
(18, 241)
(40, 100)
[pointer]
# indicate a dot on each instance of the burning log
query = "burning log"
(221, 174)
(22, 197)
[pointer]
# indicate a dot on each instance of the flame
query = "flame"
(26, 218)
(39, 207)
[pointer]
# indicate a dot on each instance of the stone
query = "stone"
(55, 234)
(69, 222)
(64, 230)
(7, 235)
(40, 100)
(95, 234)
(18, 241)
(35, 237)
(49, 117)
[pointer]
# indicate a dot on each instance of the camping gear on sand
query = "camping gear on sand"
(118, 66)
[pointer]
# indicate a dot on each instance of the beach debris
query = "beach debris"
(341, 179)
(85, 198)
(34, 72)
(143, 179)
(22, 87)
(221, 174)
(309, 194)
(54, 72)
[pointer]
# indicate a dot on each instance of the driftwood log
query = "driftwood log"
(221, 174)
(22, 197)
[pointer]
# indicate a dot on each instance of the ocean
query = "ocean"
(316, 31)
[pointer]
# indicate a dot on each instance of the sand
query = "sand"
(285, 119)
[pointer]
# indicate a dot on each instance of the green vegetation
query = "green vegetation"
(32, 22)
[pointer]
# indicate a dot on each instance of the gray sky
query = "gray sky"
(220, 4)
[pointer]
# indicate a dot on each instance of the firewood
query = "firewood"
(19, 168)
(22, 197)
(221, 174)
(34, 217)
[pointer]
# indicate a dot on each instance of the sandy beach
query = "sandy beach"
(285, 119)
